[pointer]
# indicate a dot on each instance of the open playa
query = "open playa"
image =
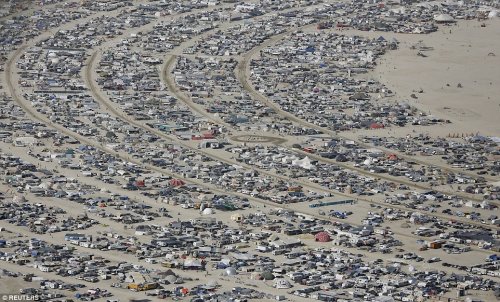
(464, 54)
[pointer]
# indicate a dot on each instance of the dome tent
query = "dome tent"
(267, 275)
(322, 237)
(231, 271)
(444, 18)
(208, 211)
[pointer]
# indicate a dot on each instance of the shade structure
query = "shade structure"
(192, 263)
(322, 237)
(176, 182)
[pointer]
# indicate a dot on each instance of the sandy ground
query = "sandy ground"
(460, 55)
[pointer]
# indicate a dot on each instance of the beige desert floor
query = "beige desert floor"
(470, 56)
(452, 61)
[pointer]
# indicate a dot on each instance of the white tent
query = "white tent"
(493, 14)
(208, 211)
(231, 271)
(225, 261)
(443, 18)
(304, 163)
(368, 162)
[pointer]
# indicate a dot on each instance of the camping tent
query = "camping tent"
(322, 237)
(231, 271)
(208, 211)
(444, 18)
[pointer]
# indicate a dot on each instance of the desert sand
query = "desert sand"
(465, 54)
